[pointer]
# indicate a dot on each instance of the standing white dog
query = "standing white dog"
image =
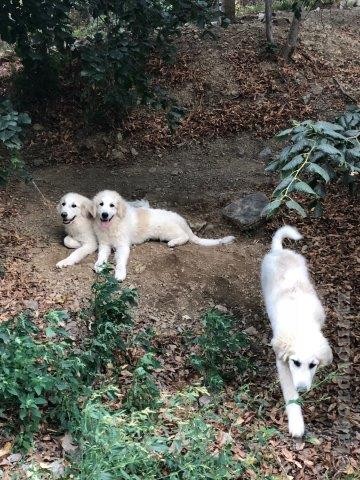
(76, 214)
(119, 225)
(296, 316)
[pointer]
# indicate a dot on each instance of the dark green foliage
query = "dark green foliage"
(12, 124)
(116, 41)
(318, 153)
(220, 348)
(39, 378)
(143, 392)
(40, 32)
(44, 376)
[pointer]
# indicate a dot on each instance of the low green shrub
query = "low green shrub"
(12, 124)
(220, 348)
(40, 378)
(180, 443)
(44, 375)
(318, 153)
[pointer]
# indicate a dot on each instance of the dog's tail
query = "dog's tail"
(143, 203)
(284, 232)
(209, 242)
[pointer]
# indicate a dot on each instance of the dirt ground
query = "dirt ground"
(174, 284)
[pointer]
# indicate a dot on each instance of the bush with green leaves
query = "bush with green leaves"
(178, 443)
(117, 41)
(44, 375)
(110, 322)
(41, 34)
(318, 153)
(220, 349)
(39, 378)
(143, 392)
(12, 124)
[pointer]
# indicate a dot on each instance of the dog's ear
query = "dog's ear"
(120, 207)
(325, 355)
(282, 348)
(88, 208)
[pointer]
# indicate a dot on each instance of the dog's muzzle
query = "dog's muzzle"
(66, 220)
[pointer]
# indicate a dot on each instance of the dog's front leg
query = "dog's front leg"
(77, 255)
(293, 409)
(121, 255)
(103, 257)
(70, 242)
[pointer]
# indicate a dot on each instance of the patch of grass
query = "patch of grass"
(219, 357)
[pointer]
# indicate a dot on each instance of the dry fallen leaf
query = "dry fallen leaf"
(66, 443)
(6, 449)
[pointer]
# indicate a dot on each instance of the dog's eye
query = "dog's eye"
(112, 205)
(63, 204)
(73, 205)
(101, 204)
(312, 365)
(297, 363)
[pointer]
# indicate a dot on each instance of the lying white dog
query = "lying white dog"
(296, 316)
(119, 225)
(76, 214)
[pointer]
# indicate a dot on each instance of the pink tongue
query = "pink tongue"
(104, 225)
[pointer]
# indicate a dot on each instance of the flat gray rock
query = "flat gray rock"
(246, 212)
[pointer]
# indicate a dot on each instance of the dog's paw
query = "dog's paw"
(296, 426)
(98, 267)
(120, 275)
(64, 263)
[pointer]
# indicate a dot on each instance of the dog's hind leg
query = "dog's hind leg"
(178, 241)
(70, 242)
(293, 409)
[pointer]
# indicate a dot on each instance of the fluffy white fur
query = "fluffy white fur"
(76, 213)
(296, 316)
(118, 225)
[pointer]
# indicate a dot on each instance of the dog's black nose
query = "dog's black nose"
(63, 214)
(104, 215)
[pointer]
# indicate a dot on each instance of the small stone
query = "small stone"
(119, 137)
(14, 457)
(266, 154)
(37, 127)
(246, 212)
(251, 331)
(152, 170)
(197, 226)
(221, 308)
(241, 151)
(204, 400)
(134, 152)
(117, 154)
(38, 162)
(306, 98)
(31, 304)
(316, 89)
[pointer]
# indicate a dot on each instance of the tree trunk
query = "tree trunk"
(268, 22)
(229, 9)
(293, 36)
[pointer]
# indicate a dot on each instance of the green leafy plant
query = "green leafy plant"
(40, 33)
(180, 443)
(143, 392)
(12, 124)
(110, 322)
(45, 376)
(38, 379)
(220, 348)
(318, 153)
